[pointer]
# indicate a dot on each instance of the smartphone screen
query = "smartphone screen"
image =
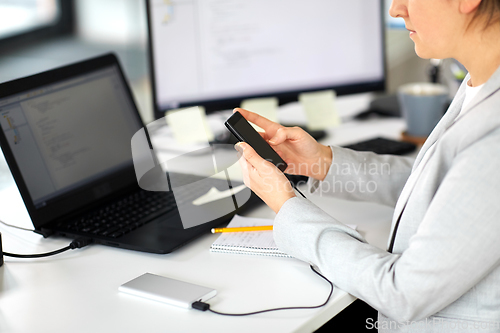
(244, 132)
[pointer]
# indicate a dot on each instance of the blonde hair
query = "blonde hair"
(490, 9)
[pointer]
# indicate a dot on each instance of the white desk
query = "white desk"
(77, 291)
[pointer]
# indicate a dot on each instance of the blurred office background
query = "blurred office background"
(36, 35)
(65, 31)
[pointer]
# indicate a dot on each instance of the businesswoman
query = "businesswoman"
(442, 267)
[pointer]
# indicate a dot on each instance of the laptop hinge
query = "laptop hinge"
(44, 232)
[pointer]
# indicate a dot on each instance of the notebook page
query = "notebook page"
(252, 242)
(252, 239)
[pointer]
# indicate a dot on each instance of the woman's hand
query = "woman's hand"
(304, 155)
(267, 181)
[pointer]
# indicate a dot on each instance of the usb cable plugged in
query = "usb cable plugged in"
(202, 306)
(76, 244)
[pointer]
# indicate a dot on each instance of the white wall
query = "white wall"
(403, 65)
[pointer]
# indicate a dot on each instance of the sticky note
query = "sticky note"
(189, 125)
(320, 108)
(266, 107)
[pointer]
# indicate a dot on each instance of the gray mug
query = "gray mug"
(422, 106)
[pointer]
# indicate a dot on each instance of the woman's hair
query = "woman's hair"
(490, 10)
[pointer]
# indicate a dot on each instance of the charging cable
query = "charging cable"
(202, 306)
(296, 189)
(76, 244)
(294, 184)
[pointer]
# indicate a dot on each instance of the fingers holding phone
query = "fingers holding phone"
(270, 127)
(265, 180)
(300, 151)
(244, 132)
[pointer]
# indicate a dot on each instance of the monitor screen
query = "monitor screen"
(216, 53)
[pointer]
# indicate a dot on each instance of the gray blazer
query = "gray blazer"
(445, 267)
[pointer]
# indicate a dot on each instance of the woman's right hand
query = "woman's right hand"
(304, 155)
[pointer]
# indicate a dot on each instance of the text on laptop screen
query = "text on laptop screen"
(70, 133)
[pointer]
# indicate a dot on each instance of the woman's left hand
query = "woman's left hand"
(267, 181)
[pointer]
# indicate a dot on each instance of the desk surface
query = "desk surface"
(78, 290)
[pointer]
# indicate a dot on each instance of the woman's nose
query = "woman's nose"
(398, 8)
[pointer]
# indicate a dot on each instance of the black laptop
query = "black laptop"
(66, 135)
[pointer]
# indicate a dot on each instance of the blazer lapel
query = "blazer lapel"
(446, 122)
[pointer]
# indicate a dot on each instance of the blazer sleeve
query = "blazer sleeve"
(364, 176)
(455, 247)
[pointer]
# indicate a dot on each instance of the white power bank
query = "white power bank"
(167, 290)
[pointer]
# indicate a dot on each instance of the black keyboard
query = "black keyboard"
(135, 210)
(384, 146)
(123, 216)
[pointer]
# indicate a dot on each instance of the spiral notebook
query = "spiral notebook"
(252, 242)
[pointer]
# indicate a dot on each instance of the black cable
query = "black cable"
(296, 189)
(76, 244)
(205, 306)
(40, 255)
(294, 183)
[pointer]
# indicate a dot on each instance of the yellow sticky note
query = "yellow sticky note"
(320, 108)
(266, 107)
(189, 125)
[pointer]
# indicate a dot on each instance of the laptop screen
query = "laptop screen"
(68, 134)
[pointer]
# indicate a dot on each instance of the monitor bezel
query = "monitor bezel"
(284, 97)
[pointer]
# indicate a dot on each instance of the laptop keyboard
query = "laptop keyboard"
(137, 209)
(123, 216)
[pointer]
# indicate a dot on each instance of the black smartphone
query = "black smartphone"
(244, 132)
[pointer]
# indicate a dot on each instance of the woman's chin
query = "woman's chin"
(425, 54)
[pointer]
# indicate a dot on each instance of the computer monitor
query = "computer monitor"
(216, 53)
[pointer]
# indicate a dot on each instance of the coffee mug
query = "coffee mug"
(422, 106)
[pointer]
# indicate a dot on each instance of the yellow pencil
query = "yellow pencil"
(242, 229)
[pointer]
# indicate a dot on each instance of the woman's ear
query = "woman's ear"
(469, 6)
